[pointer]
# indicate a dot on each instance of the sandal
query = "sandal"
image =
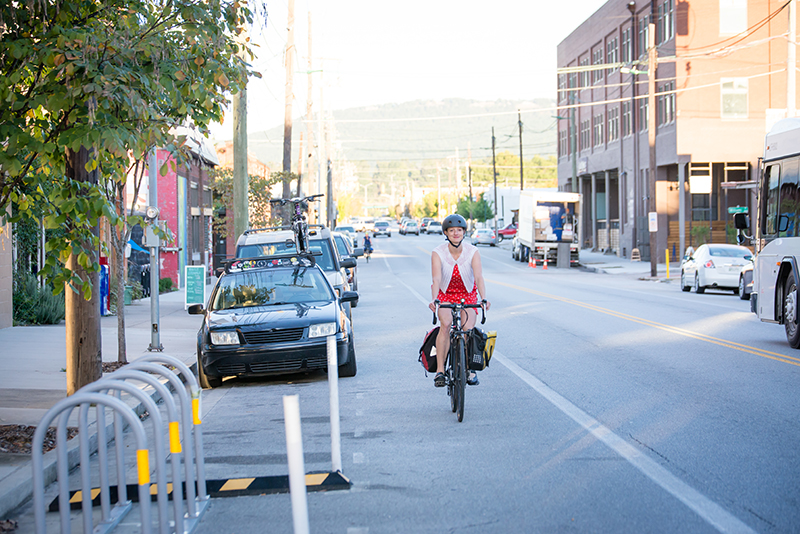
(439, 380)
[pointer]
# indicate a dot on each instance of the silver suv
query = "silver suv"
(256, 243)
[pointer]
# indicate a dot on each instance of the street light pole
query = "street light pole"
(155, 272)
(651, 137)
(494, 174)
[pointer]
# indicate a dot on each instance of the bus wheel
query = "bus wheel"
(790, 311)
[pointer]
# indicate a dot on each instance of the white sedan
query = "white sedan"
(714, 266)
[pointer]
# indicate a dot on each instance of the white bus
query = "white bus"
(777, 231)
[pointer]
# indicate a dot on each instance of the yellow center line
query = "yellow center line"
(653, 324)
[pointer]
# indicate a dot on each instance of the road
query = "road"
(611, 405)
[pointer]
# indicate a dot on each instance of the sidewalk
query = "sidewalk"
(33, 377)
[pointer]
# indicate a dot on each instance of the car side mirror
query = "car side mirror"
(349, 296)
(196, 309)
(358, 252)
(349, 263)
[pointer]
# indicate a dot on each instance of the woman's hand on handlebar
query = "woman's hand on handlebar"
(486, 304)
(433, 305)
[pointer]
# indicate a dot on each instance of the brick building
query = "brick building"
(720, 84)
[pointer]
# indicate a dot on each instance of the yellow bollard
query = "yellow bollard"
(667, 264)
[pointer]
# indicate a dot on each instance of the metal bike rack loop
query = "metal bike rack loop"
(112, 382)
(64, 408)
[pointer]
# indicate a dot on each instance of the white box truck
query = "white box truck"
(547, 219)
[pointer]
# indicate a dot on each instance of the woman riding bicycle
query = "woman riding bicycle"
(367, 245)
(455, 266)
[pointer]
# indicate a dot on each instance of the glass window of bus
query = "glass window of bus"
(772, 178)
(789, 201)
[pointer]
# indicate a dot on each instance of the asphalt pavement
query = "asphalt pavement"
(33, 360)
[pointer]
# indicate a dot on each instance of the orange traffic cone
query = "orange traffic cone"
(544, 267)
(534, 262)
(531, 261)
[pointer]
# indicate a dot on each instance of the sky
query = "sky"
(373, 53)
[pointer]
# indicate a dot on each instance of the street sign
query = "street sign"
(738, 209)
(652, 221)
(195, 276)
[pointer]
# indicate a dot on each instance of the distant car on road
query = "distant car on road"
(381, 228)
(272, 315)
(410, 227)
(434, 227)
(423, 224)
(714, 266)
(507, 233)
(484, 236)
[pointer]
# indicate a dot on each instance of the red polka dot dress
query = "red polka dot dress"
(456, 290)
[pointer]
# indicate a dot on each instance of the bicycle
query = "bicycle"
(299, 223)
(456, 366)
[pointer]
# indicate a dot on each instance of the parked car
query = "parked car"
(351, 233)
(714, 266)
(423, 224)
(270, 316)
(257, 243)
(484, 236)
(381, 228)
(410, 227)
(746, 281)
(347, 251)
(434, 227)
(507, 233)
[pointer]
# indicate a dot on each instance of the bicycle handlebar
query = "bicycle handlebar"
(295, 200)
(461, 306)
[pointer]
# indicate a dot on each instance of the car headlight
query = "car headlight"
(224, 338)
(322, 330)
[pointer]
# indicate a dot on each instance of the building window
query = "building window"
(611, 54)
(563, 143)
(665, 26)
(643, 109)
(207, 200)
(573, 80)
(598, 126)
(586, 133)
(627, 119)
(666, 104)
(613, 124)
(197, 234)
(597, 59)
(734, 98)
(732, 16)
(644, 32)
(562, 88)
(193, 195)
(584, 73)
(627, 45)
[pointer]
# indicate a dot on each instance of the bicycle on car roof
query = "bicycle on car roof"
(299, 223)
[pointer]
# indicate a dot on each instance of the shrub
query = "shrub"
(165, 285)
(34, 304)
(701, 235)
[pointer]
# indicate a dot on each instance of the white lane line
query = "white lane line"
(707, 509)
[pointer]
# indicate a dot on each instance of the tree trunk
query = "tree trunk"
(82, 317)
(119, 267)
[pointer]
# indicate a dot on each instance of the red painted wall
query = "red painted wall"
(168, 212)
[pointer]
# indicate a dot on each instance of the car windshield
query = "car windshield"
(381, 224)
(739, 252)
(270, 287)
(348, 229)
(325, 260)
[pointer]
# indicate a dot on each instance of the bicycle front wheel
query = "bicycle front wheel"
(460, 377)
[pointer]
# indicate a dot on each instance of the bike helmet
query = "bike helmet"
(454, 221)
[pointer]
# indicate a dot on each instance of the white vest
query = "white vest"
(464, 263)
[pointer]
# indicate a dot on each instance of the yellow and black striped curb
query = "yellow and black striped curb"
(227, 487)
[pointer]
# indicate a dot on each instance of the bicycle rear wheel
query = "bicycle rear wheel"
(460, 378)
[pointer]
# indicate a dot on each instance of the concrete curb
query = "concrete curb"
(17, 488)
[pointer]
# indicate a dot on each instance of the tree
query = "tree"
(480, 210)
(89, 84)
(258, 202)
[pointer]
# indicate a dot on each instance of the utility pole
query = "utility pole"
(469, 179)
(652, 54)
(241, 178)
(155, 263)
(287, 116)
(573, 142)
(791, 62)
(309, 101)
(81, 316)
(300, 167)
(494, 174)
(634, 129)
(521, 175)
(438, 193)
